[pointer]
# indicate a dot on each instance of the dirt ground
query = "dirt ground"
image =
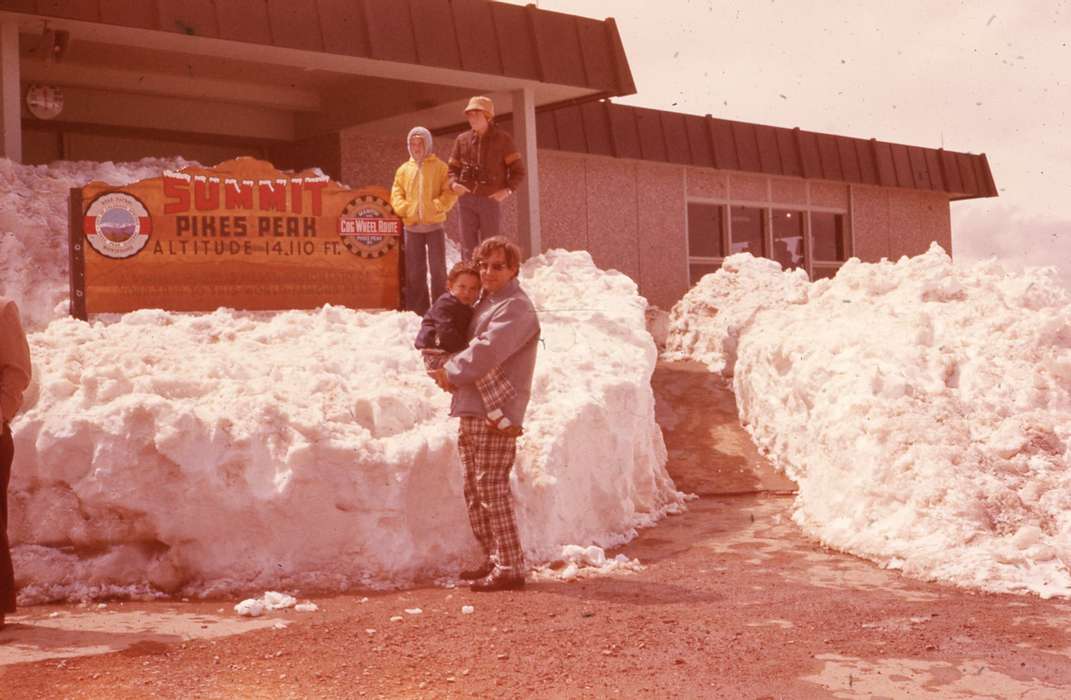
(734, 602)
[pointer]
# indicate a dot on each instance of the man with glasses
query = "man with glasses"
(505, 334)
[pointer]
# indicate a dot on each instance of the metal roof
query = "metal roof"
(604, 128)
(478, 36)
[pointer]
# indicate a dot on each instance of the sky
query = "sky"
(980, 77)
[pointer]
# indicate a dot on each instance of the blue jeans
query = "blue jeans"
(480, 219)
(424, 251)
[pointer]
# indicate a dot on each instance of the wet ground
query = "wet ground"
(734, 602)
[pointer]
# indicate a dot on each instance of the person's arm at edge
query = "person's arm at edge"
(453, 165)
(515, 171)
(447, 197)
(15, 368)
(398, 201)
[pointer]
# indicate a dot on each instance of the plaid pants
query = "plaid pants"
(488, 456)
(494, 388)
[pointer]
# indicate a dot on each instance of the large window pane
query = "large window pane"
(704, 231)
(829, 237)
(747, 230)
(824, 273)
(788, 238)
(697, 270)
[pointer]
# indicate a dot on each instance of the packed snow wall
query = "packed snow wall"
(924, 408)
(206, 453)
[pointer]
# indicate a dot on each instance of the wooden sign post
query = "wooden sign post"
(242, 235)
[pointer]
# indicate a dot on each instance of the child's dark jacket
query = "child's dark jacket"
(446, 325)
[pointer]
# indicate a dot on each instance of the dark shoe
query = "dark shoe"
(477, 573)
(498, 582)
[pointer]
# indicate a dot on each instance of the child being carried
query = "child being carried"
(444, 331)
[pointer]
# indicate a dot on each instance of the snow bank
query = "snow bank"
(923, 408)
(705, 325)
(209, 453)
(33, 227)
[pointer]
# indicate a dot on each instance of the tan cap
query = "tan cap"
(484, 104)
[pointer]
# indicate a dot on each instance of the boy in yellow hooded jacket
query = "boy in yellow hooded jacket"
(421, 196)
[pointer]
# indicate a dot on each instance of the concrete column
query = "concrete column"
(524, 136)
(10, 93)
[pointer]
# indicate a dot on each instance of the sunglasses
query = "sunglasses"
(496, 267)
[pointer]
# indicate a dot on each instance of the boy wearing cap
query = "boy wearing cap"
(422, 195)
(485, 168)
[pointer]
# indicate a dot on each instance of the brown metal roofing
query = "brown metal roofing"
(605, 128)
(471, 35)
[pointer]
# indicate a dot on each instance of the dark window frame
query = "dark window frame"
(810, 264)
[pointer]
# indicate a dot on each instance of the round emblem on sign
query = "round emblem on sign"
(117, 225)
(368, 227)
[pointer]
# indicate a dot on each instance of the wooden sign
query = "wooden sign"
(242, 235)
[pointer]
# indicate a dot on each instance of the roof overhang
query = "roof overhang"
(604, 128)
(290, 70)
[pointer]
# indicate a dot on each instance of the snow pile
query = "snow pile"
(34, 231)
(706, 324)
(584, 562)
(271, 600)
(925, 411)
(203, 454)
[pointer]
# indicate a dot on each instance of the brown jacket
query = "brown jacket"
(14, 361)
(486, 164)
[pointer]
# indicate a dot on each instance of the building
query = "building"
(660, 196)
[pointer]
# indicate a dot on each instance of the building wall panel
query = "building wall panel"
(786, 191)
(870, 221)
(748, 188)
(828, 194)
(712, 184)
(663, 246)
(563, 199)
(611, 214)
(368, 160)
(915, 220)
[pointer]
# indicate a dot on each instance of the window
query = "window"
(814, 241)
(697, 270)
(830, 239)
(705, 230)
(788, 245)
(747, 230)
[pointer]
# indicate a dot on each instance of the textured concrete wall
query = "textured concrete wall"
(613, 233)
(870, 216)
(915, 220)
(890, 223)
(711, 184)
(631, 214)
(563, 196)
(663, 240)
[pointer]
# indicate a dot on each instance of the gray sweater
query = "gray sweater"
(505, 334)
